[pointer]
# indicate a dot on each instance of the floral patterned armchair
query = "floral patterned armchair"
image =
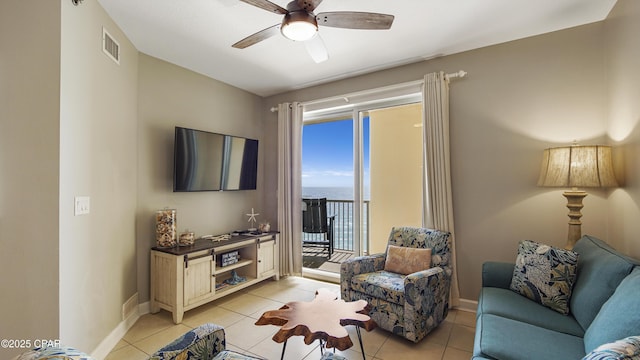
(407, 305)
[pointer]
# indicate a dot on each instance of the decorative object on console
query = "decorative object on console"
(235, 279)
(166, 228)
(252, 220)
(187, 238)
(229, 258)
(576, 166)
(264, 227)
(219, 237)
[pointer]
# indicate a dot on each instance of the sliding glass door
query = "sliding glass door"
(395, 171)
(370, 170)
(328, 172)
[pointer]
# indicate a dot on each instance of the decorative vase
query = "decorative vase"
(166, 233)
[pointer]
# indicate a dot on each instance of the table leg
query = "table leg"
(360, 340)
(284, 347)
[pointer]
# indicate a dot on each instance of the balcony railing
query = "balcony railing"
(343, 224)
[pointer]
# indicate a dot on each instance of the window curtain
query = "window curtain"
(290, 187)
(438, 203)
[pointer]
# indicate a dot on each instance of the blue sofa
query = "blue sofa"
(604, 307)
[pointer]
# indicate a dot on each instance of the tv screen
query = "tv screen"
(205, 161)
(240, 165)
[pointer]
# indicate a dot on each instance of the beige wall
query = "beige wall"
(29, 122)
(171, 96)
(623, 74)
(72, 123)
(396, 171)
(519, 98)
(98, 110)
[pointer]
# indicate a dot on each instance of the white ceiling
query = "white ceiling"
(198, 34)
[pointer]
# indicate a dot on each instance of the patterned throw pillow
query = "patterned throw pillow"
(545, 274)
(625, 349)
(407, 260)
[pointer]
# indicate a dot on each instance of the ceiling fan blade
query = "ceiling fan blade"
(309, 5)
(316, 49)
(355, 20)
(267, 5)
(257, 37)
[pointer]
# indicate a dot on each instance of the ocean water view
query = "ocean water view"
(331, 192)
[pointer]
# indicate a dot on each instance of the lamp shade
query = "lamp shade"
(577, 166)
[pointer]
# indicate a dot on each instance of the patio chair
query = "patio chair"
(316, 221)
(407, 286)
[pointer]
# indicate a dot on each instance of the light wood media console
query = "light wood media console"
(183, 278)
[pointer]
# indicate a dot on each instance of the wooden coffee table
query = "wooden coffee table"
(324, 318)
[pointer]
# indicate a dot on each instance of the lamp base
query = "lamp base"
(574, 204)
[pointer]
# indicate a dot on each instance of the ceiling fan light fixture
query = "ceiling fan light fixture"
(299, 26)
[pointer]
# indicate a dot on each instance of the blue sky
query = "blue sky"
(327, 153)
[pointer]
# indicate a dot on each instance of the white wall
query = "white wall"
(172, 96)
(98, 135)
(518, 99)
(623, 56)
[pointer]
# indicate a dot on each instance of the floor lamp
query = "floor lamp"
(576, 167)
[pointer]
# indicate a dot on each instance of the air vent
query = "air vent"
(110, 46)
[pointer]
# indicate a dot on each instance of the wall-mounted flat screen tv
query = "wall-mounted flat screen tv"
(206, 161)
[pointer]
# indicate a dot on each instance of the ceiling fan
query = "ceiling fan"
(301, 24)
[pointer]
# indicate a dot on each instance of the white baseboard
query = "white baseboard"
(144, 308)
(105, 347)
(467, 305)
(130, 306)
(133, 314)
(321, 275)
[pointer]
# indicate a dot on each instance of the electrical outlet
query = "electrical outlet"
(82, 205)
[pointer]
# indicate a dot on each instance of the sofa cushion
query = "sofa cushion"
(406, 260)
(619, 317)
(501, 338)
(545, 274)
(506, 303)
(381, 284)
(600, 271)
(625, 349)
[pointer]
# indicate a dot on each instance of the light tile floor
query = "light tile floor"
(452, 340)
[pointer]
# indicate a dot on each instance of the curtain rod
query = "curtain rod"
(458, 74)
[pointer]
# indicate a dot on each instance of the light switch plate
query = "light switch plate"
(82, 205)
